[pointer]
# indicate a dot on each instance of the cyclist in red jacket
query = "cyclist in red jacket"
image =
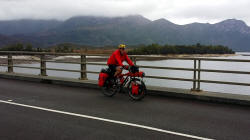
(116, 59)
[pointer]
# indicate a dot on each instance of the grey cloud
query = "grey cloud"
(62, 9)
(179, 11)
(215, 13)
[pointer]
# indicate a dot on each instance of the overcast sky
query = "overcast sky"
(177, 11)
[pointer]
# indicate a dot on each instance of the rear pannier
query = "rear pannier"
(103, 75)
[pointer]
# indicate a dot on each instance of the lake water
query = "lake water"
(237, 66)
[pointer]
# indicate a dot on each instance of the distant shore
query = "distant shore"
(194, 55)
(154, 57)
(35, 59)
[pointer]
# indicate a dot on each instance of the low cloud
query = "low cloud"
(177, 11)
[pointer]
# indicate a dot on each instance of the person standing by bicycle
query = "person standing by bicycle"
(116, 59)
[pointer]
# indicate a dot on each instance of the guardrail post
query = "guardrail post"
(199, 75)
(83, 68)
(43, 65)
(134, 60)
(10, 63)
(194, 76)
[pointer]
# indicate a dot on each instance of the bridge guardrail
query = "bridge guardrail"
(84, 62)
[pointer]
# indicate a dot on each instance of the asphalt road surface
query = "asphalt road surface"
(35, 111)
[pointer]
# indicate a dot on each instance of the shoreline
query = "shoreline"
(33, 59)
(193, 55)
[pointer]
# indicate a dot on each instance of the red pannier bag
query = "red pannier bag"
(102, 78)
(135, 89)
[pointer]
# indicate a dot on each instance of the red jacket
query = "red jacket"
(116, 59)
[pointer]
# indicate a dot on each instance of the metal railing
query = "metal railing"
(84, 61)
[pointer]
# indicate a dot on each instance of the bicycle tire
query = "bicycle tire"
(110, 88)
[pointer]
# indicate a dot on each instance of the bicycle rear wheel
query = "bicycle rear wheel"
(110, 88)
(140, 94)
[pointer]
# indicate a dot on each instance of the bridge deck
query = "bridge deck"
(166, 91)
(32, 111)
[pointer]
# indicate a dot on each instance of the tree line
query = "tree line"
(60, 48)
(65, 48)
(133, 50)
(180, 49)
(21, 47)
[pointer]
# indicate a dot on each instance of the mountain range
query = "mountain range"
(131, 30)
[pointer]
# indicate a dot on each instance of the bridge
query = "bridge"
(63, 108)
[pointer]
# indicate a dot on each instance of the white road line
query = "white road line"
(108, 120)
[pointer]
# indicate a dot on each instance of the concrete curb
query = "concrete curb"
(152, 90)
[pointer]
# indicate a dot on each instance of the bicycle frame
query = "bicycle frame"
(129, 75)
